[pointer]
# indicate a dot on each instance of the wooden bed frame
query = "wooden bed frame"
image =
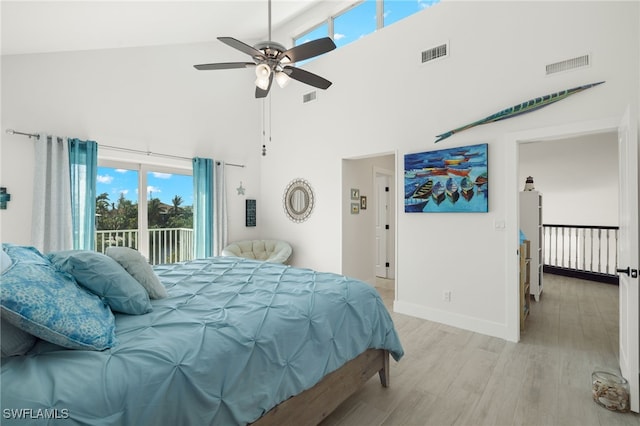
(313, 405)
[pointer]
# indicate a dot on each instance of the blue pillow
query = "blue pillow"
(104, 277)
(24, 254)
(137, 266)
(48, 304)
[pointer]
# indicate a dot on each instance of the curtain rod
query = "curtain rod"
(14, 132)
(117, 148)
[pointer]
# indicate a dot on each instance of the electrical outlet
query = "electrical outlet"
(446, 296)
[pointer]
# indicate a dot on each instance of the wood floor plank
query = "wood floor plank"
(455, 377)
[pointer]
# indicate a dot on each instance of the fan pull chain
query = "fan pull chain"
(264, 124)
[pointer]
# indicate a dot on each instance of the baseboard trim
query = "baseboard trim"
(464, 322)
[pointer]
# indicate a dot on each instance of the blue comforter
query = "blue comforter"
(234, 338)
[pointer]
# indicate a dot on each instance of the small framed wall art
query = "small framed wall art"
(363, 202)
(250, 208)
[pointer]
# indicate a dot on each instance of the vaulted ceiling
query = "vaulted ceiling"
(55, 26)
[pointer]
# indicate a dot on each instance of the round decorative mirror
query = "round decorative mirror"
(298, 200)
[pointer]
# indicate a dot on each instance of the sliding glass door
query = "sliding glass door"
(148, 208)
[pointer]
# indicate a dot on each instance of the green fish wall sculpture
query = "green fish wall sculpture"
(523, 108)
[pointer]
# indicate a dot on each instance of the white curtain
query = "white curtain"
(51, 228)
(220, 209)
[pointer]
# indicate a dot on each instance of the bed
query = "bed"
(233, 341)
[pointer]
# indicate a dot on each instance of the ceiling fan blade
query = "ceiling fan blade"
(307, 77)
(308, 50)
(224, 66)
(243, 47)
(260, 93)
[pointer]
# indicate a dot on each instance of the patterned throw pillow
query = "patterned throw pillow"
(48, 304)
(24, 254)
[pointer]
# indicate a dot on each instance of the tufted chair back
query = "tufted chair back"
(275, 251)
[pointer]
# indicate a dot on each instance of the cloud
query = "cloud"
(151, 189)
(338, 36)
(162, 175)
(427, 3)
(121, 170)
(104, 179)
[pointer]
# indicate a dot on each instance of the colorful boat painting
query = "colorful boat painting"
(424, 190)
(418, 197)
(522, 108)
(466, 188)
(447, 180)
(451, 189)
(458, 171)
(438, 193)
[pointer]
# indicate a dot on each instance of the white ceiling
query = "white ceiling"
(55, 26)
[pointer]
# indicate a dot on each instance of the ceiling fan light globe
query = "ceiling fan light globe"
(262, 83)
(263, 71)
(282, 79)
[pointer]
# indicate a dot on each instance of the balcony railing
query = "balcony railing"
(166, 245)
(587, 252)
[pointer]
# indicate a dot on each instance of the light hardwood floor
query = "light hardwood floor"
(450, 376)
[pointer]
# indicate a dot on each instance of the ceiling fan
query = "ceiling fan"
(272, 60)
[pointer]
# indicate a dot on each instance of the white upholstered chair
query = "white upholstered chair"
(275, 251)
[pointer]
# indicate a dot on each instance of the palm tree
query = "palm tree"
(102, 211)
(176, 201)
(102, 204)
(154, 212)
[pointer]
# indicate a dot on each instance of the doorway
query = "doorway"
(575, 180)
(628, 163)
(368, 217)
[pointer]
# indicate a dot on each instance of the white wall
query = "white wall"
(578, 178)
(383, 99)
(149, 99)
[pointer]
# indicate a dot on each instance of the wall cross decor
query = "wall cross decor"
(4, 198)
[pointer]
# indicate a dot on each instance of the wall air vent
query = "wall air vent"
(569, 64)
(308, 97)
(435, 53)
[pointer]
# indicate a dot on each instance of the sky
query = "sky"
(361, 20)
(164, 186)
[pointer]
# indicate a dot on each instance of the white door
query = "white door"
(382, 225)
(628, 256)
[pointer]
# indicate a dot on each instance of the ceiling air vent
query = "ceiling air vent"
(569, 64)
(435, 53)
(308, 97)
